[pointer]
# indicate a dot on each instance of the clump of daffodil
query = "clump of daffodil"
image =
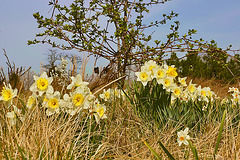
(7, 94)
(42, 84)
(183, 137)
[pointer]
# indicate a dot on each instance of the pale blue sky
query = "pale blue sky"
(213, 19)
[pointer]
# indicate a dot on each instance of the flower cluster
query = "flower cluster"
(235, 96)
(78, 99)
(168, 77)
(111, 94)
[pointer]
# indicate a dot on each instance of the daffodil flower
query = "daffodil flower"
(183, 137)
(7, 94)
(77, 82)
(53, 103)
(11, 117)
(106, 95)
(32, 101)
(144, 77)
(99, 111)
(42, 84)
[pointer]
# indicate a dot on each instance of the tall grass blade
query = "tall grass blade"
(41, 153)
(152, 150)
(166, 151)
(220, 133)
(194, 150)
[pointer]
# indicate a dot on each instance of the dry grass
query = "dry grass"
(117, 137)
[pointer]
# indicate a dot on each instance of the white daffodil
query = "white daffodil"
(176, 92)
(143, 76)
(53, 103)
(184, 96)
(167, 83)
(89, 101)
(191, 88)
(204, 108)
(7, 94)
(32, 101)
(42, 84)
(77, 82)
(99, 112)
(11, 117)
(106, 95)
(116, 93)
(75, 101)
(159, 73)
(233, 89)
(149, 66)
(182, 81)
(183, 137)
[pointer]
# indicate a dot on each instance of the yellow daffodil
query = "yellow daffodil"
(172, 71)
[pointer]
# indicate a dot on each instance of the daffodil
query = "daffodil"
(77, 82)
(75, 102)
(42, 84)
(149, 66)
(53, 103)
(182, 81)
(144, 77)
(176, 92)
(191, 88)
(172, 71)
(99, 112)
(183, 137)
(106, 95)
(167, 83)
(11, 117)
(32, 101)
(159, 74)
(7, 94)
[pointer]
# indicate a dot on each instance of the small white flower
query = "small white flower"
(183, 137)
